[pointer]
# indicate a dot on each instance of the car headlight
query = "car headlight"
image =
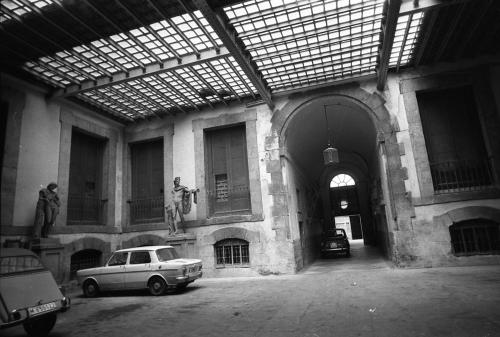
(15, 315)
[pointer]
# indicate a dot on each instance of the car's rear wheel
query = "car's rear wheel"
(90, 288)
(157, 286)
(40, 327)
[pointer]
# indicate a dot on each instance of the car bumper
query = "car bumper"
(17, 317)
(335, 250)
(189, 278)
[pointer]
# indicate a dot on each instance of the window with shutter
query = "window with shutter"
(85, 179)
(454, 140)
(146, 204)
(227, 179)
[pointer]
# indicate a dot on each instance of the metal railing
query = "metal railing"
(147, 210)
(84, 210)
(461, 175)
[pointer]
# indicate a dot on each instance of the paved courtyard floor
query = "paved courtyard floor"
(334, 297)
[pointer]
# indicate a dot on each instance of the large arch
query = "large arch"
(399, 208)
(144, 240)
(232, 233)
(83, 244)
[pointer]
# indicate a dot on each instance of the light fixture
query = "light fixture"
(330, 154)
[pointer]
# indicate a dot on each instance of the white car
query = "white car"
(154, 267)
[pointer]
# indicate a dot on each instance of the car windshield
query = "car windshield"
(335, 233)
(18, 264)
(166, 254)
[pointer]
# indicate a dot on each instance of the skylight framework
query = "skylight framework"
(407, 32)
(302, 43)
(207, 57)
(219, 79)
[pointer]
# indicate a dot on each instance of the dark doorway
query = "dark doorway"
(345, 206)
(85, 179)
(147, 200)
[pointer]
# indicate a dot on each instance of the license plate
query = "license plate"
(42, 308)
(333, 245)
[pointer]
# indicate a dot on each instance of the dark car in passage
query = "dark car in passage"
(335, 242)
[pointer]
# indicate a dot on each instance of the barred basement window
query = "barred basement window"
(87, 258)
(232, 253)
(474, 237)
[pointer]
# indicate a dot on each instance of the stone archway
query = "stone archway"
(399, 209)
(144, 240)
(232, 233)
(90, 243)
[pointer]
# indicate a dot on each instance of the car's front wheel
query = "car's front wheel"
(40, 327)
(90, 288)
(157, 286)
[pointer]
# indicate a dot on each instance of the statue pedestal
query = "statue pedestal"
(184, 244)
(51, 252)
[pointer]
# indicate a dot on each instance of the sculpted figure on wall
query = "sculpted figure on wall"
(181, 204)
(47, 209)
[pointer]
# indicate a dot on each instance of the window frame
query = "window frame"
(143, 252)
(115, 254)
(249, 118)
(211, 181)
(231, 243)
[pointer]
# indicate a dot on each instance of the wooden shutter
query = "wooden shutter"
(147, 181)
(85, 178)
(228, 171)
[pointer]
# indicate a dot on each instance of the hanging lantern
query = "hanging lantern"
(331, 155)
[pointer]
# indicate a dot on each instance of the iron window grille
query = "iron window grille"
(232, 253)
(87, 258)
(475, 237)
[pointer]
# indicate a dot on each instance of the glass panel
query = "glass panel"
(118, 259)
(17, 264)
(167, 254)
(139, 257)
(296, 44)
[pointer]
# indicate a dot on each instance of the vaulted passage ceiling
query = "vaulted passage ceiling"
(136, 59)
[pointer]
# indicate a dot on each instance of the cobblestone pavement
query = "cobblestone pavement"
(330, 298)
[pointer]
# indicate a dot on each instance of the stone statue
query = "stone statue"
(47, 209)
(181, 204)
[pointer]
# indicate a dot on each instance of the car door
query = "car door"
(113, 277)
(137, 270)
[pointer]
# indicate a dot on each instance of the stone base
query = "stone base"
(184, 244)
(51, 252)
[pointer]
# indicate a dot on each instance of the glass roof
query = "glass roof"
(294, 44)
(407, 30)
(300, 43)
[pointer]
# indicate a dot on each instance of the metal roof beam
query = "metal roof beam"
(391, 10)
(449, 34)
(159, 93)
(198, 22)
(407, 29)
(173, 89)
(423, 45)
(150, 30)
(193, 89)
(174, 26)
(149, 70)
(229, 39)
(207, 85)
(415, 6)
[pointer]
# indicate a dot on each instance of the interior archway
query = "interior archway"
(352, 128)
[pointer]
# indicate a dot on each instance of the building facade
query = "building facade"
(424, 155)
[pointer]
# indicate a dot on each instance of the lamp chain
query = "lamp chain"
(327, 128)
